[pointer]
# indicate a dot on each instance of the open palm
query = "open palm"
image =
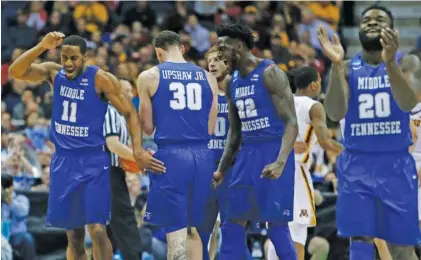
(333, 50)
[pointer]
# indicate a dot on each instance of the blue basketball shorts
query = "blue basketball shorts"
(216, 204)
(253, 198)
(178, 197)
(378, 197)
(79, 188)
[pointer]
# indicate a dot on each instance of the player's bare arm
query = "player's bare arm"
(336, 100)
(110, 86)
(147, 83)
(318, 121)
(414, 134)
(233, 138)
(213, 114)
(24, 68)
(405, 80)
(277, 83)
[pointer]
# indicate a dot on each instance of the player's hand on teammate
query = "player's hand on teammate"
(218, 177)
(52, 40)
(300, 147)
(273, 170)
(145, 160)
(390, 43)
(331, 49)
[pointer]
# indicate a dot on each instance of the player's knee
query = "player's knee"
(401, 252)
(362, 239)
(192, 233)
(318, 244)
(97, 232)
(76, 237)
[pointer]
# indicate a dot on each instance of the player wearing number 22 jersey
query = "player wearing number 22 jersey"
(179, 101)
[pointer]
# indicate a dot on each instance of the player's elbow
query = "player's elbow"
(14, 71)
(148, 128)
(112, 143)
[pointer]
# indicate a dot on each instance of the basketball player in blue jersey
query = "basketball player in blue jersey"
(80, 185)
(372, 94)
(179, 100)
(217, 202)
(262, 117)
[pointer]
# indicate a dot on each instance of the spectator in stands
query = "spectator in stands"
(45, 180)
(23, 36)
(175, 21)
(6, 249)
(141, 12)
(310, 24)
(207, 10)
(327, 12)
(198, 33)
(38, 16)
(94, 13)
(55, 23)
(15, 209)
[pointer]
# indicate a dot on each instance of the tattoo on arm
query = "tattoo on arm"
(234, 134)
(276, 82)
(336, 100)
(177, 249)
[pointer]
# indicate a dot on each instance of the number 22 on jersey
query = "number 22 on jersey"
(189, 96)
(371, 106)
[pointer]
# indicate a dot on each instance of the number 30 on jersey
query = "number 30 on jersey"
(189, 96)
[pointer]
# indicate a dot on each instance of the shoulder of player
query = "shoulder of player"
(274, 77)
(316, 110)
(410, 63)
(104, 79)
(227, 88)
(149, 76)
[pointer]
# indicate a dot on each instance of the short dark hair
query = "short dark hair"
(166, 39)
(376, 6)
(76, 40)
(300, 78)
(239, 31)
(416, 53)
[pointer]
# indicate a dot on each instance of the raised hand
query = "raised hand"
(52, 40)
(390, 43)
(332, 50)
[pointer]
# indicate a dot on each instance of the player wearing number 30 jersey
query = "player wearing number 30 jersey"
(179, 100)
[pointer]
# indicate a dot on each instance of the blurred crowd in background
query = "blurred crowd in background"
(119, 36)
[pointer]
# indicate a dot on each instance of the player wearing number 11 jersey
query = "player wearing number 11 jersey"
(377, 179)
(179, 100)
(80, 185)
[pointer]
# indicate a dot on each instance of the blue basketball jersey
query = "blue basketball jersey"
(219, 138)
(374, 122)
(78, 112)
(181, 104)
(254, 105)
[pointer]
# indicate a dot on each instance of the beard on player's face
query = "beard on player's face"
(370, 43)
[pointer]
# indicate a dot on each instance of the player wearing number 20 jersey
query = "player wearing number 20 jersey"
(376, 172)
(183, 106)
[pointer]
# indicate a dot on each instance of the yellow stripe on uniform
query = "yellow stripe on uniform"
(307, 139)
(310, 196)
